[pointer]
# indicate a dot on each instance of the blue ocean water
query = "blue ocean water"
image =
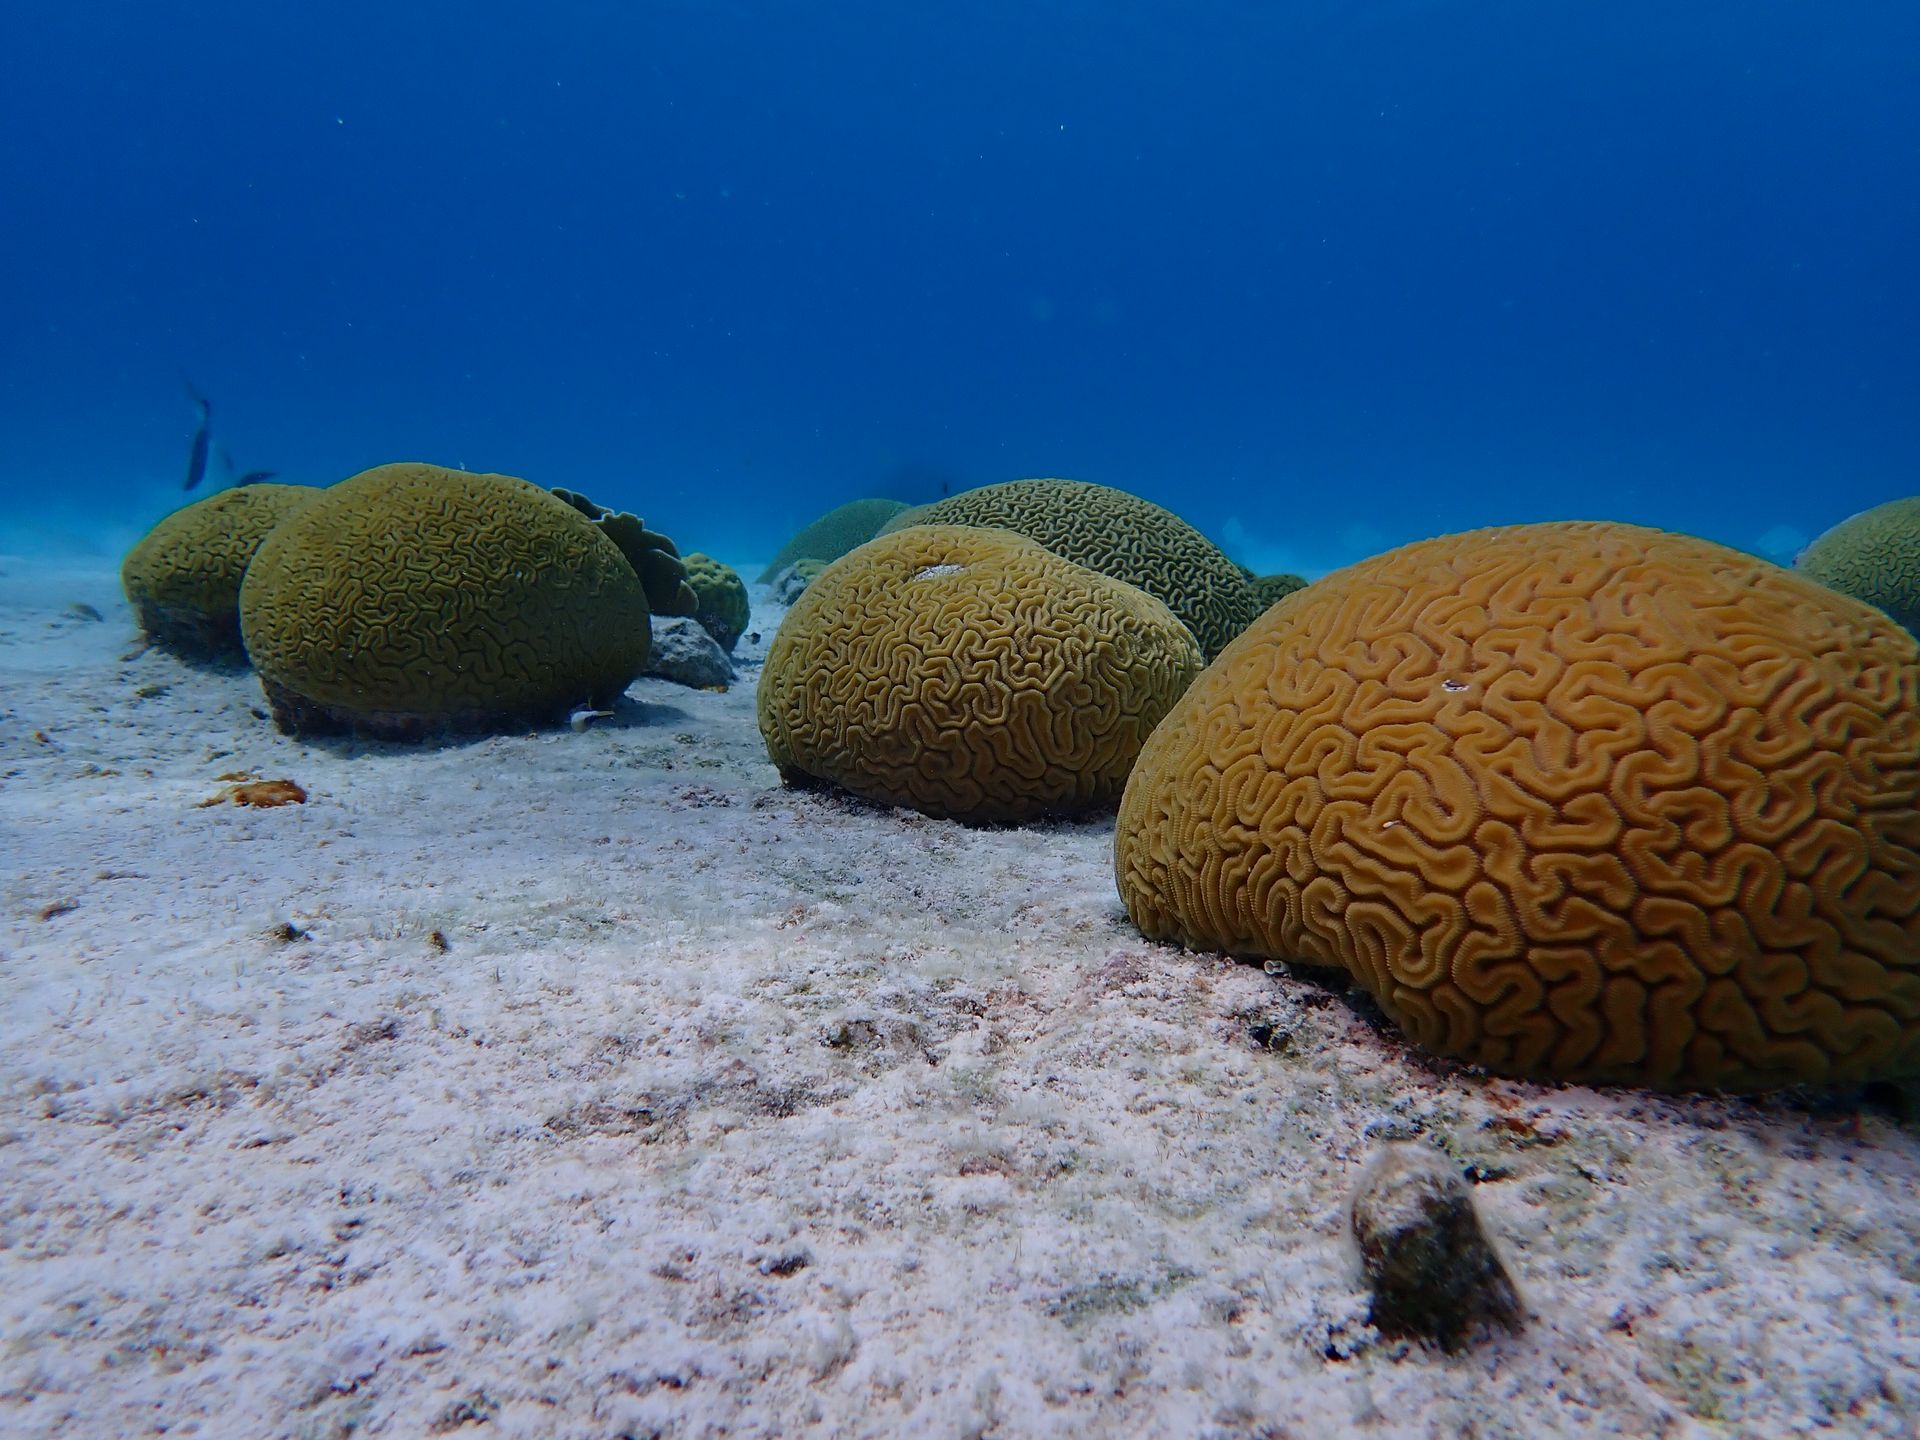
(1322, 276)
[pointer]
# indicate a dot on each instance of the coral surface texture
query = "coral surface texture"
(1583, 801)
(972, 674)
(834, 533)
(183, 578)
(412, 599)
(1117, 534)
(1270, 590)
(1873, 556)
(723, 606)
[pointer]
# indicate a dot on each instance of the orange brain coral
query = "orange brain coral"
(970, 674)
(1582, 800)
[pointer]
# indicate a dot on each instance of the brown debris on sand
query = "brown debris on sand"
(265, 794)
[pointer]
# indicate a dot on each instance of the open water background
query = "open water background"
(1324, 277)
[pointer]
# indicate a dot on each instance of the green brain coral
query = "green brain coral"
(1269, 590)
(1873, 556)
(723, 607)
(1121, 536)
(971, 674)
(1579, 801)
(834, 533)
(183, 578)
(411, 599)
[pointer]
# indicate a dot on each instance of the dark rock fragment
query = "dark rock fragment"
(1433, 1273)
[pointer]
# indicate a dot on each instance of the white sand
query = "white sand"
(729, 1111)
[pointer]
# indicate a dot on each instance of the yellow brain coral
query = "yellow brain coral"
(183, 578)
(969, 673)
(1584, 801)
(413, 599)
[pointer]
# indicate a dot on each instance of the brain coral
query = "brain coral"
(1875, 557)
(1584, 801)
(1269, 590)
(1119, 535)
(722, 607)
(411, 600)
(183, 578)
(834, 533)
(970, 674)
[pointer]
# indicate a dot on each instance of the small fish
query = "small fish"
(202, 441)
(254, 477)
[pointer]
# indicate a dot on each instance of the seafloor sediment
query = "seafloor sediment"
(589, 1084)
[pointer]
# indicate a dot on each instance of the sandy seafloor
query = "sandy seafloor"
(723, 1110)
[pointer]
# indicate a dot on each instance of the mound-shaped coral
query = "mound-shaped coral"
(411, 600)
(721, 604)
(183, 578)
(1873, 556)
(1585, 801)
(1119, 535)
(1270, 590)
(969, 674)
(834, 534)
